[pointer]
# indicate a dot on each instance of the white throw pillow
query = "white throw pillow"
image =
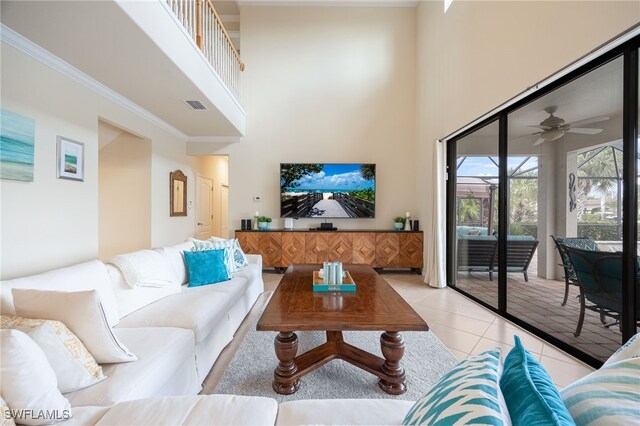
(74, 366)
(27, 382)
(5, 412)
(144, 268)
(82, 313)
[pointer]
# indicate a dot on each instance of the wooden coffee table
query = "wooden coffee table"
(294, 306)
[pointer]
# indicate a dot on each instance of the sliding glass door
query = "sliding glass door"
(476, 200)
(543, 208)
(565, 183)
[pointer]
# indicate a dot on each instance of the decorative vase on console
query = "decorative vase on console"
(407, 222)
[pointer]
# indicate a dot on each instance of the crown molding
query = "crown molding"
(16, 40)
(214, 139)
(330, 3)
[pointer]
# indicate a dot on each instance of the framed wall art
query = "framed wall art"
(70, 159)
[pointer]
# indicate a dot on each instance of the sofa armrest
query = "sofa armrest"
(255, 258)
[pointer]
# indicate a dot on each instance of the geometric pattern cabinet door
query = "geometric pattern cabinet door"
(411, 249)
(340, 247)
(293, 248)
(364, 248)
(249, 241)
(270, 247)
(387, 250)
(316, 247)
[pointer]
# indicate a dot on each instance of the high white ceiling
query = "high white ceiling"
(99, 39)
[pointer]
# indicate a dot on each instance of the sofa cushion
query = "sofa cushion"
(84, 276)
(74, 366)
(194, 410)
(174, 255)
(161, 352)
(27, 381)
(131, 299)
(343, 412)
(468, 394)
(197, 308)
(529, 392)
(82, 313)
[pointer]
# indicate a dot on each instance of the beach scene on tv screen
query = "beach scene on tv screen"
(327, 190)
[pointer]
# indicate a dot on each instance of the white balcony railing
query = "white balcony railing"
(202, 22)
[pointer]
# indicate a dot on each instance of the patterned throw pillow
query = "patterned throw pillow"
(629, 350)
(530, 394)
(610, 395)
(72, 363)
(218, 244)
(468, 394)
(238, 255)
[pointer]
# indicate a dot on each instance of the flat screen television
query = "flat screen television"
(327, 190)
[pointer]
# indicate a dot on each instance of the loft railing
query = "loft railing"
(202, 22)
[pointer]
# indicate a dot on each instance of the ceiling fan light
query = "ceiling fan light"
(552, 135)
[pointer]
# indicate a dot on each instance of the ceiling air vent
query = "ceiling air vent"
(196, 105)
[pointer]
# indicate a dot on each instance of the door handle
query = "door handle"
(199, 223)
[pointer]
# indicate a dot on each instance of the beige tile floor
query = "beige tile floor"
(465, 328)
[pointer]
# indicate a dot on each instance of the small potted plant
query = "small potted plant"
(398, 223)
(263, 222)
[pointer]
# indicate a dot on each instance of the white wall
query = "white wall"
(325, 85)
(53, 222)
(480, 54)
(124, 217)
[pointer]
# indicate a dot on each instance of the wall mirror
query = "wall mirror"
(178, 191)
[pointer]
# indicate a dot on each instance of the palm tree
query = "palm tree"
(468, 210)
(595, 172)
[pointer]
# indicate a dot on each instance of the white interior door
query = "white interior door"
(224, 212)
(204, 218)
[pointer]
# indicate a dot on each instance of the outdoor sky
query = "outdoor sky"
(335, 177)
(483, 166)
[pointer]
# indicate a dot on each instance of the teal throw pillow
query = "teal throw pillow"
(468, 394)
(532, 398)
(206, 267)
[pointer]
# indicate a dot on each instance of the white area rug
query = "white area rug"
(250, 372)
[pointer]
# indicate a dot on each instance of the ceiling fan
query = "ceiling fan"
(553, 127)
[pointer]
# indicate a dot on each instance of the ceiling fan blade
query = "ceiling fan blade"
(537, 133)
(538, 142)
(587, 121)
(584, 130)
(541, 127)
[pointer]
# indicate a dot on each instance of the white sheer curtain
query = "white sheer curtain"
(435, 274)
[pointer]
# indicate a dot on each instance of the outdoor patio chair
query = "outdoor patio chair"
(519, 255)
(599, 277)
(570, 278)
(477, 254)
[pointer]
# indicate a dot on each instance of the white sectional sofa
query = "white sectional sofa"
(176, 332)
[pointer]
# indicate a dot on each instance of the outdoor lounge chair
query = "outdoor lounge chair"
(480, 253)
(519, 255)
(477, 254)
(570, 277)
(599, 277)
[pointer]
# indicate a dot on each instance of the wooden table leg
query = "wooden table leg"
(286, 345)
(392, 345)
